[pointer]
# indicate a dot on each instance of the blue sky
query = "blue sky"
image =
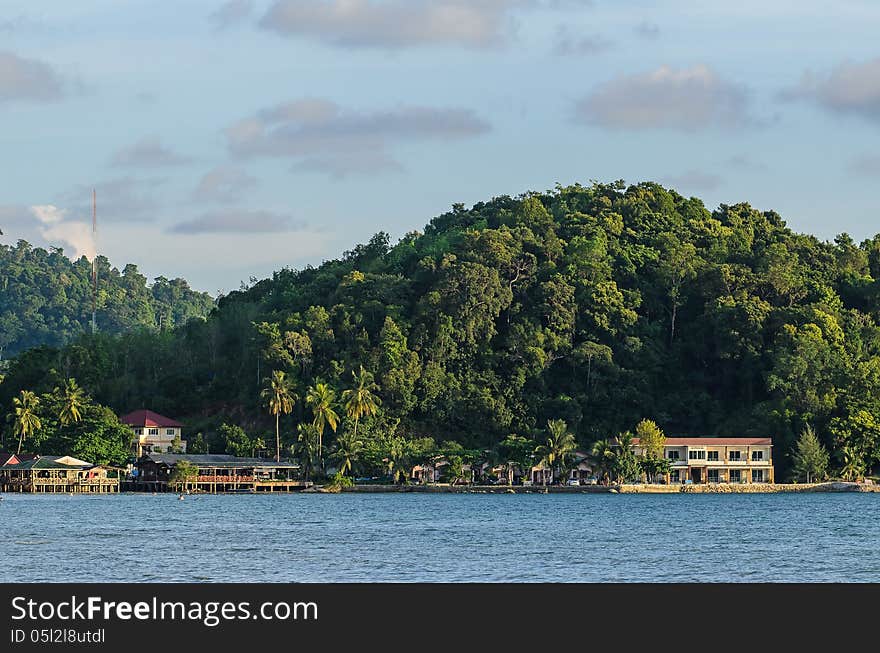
(229, 139)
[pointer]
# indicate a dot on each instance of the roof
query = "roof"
(214, 460)
(713, 441)
(8, 458)
(146, 417)
(50, 462)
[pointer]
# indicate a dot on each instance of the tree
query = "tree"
(517, 451)
(603, 455)
(559, 445)
(306, 448)
(626, 467)
(72, 402)
(360, 400)
(279, 397)
(811, 458)
(25, 419)
(852, 463)
(651, 438)
(183, 473)
(348, 448)
(236, 441)
(321, 398)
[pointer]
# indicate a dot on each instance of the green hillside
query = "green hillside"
(597, 305)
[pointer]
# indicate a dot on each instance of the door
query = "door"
(697, 474)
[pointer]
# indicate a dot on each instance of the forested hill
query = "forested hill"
(45, 298)
(598, 305)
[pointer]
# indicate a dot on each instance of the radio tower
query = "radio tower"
(94, 262)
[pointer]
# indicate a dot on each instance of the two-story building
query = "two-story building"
(717, 460)
(154, 433)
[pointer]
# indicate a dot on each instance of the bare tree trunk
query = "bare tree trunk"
(277, 440)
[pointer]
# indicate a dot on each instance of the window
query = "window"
(735, 475)
(673, 476)
(169, 431)
(757, 476)
(734, 455)
(698, 454)
(712, 474)
(154, 431)
(711, 455)
(757, 455)
(672, 455)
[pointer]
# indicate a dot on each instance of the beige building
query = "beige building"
(717, 460)
(154, 433)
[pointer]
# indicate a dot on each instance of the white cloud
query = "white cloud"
(28, 79)
(399, 23)
(234, 221)
(231, 12)
(851, 88)
(685, 99)
(149, 152)
(55, 227)
(225, 184)
(317, 134)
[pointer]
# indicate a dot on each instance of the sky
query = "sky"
(228, 139)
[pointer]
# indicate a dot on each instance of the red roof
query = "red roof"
(8, 459)
(148, 418)
(716, 442)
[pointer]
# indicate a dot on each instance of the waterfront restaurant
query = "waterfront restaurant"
(53, 474)
(717, 460)
(216, 473)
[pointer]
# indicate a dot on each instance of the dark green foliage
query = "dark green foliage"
(594, 305)
(46, 299)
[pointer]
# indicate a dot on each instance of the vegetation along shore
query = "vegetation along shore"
(553, 329)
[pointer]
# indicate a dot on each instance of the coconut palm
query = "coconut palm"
(360, 400)
(348, 448)
(321, 398)
(26, 422)
(560, 444)
(279, 397)
(71, 402)
(603, 456)
(306, 448)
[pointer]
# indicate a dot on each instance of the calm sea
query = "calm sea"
(441, 537)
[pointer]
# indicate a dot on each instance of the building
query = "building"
(717, 460)
(154, 433)
(581, 472)
(8, 459)
(216, 473)
(53, 474)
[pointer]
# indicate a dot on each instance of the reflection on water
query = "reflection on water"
(440, 537)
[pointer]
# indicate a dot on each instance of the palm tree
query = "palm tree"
(348, 447)
(25, 420)
(560, 444)
(279, 397)
(360, 400)
(321, 398)
(307, 437)
(72, 402)
(603, 455)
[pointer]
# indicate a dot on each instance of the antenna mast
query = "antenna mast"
(94, 262)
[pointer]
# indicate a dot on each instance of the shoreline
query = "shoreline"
(715, 488)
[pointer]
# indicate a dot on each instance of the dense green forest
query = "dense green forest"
(598, 305)
(46, 299)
